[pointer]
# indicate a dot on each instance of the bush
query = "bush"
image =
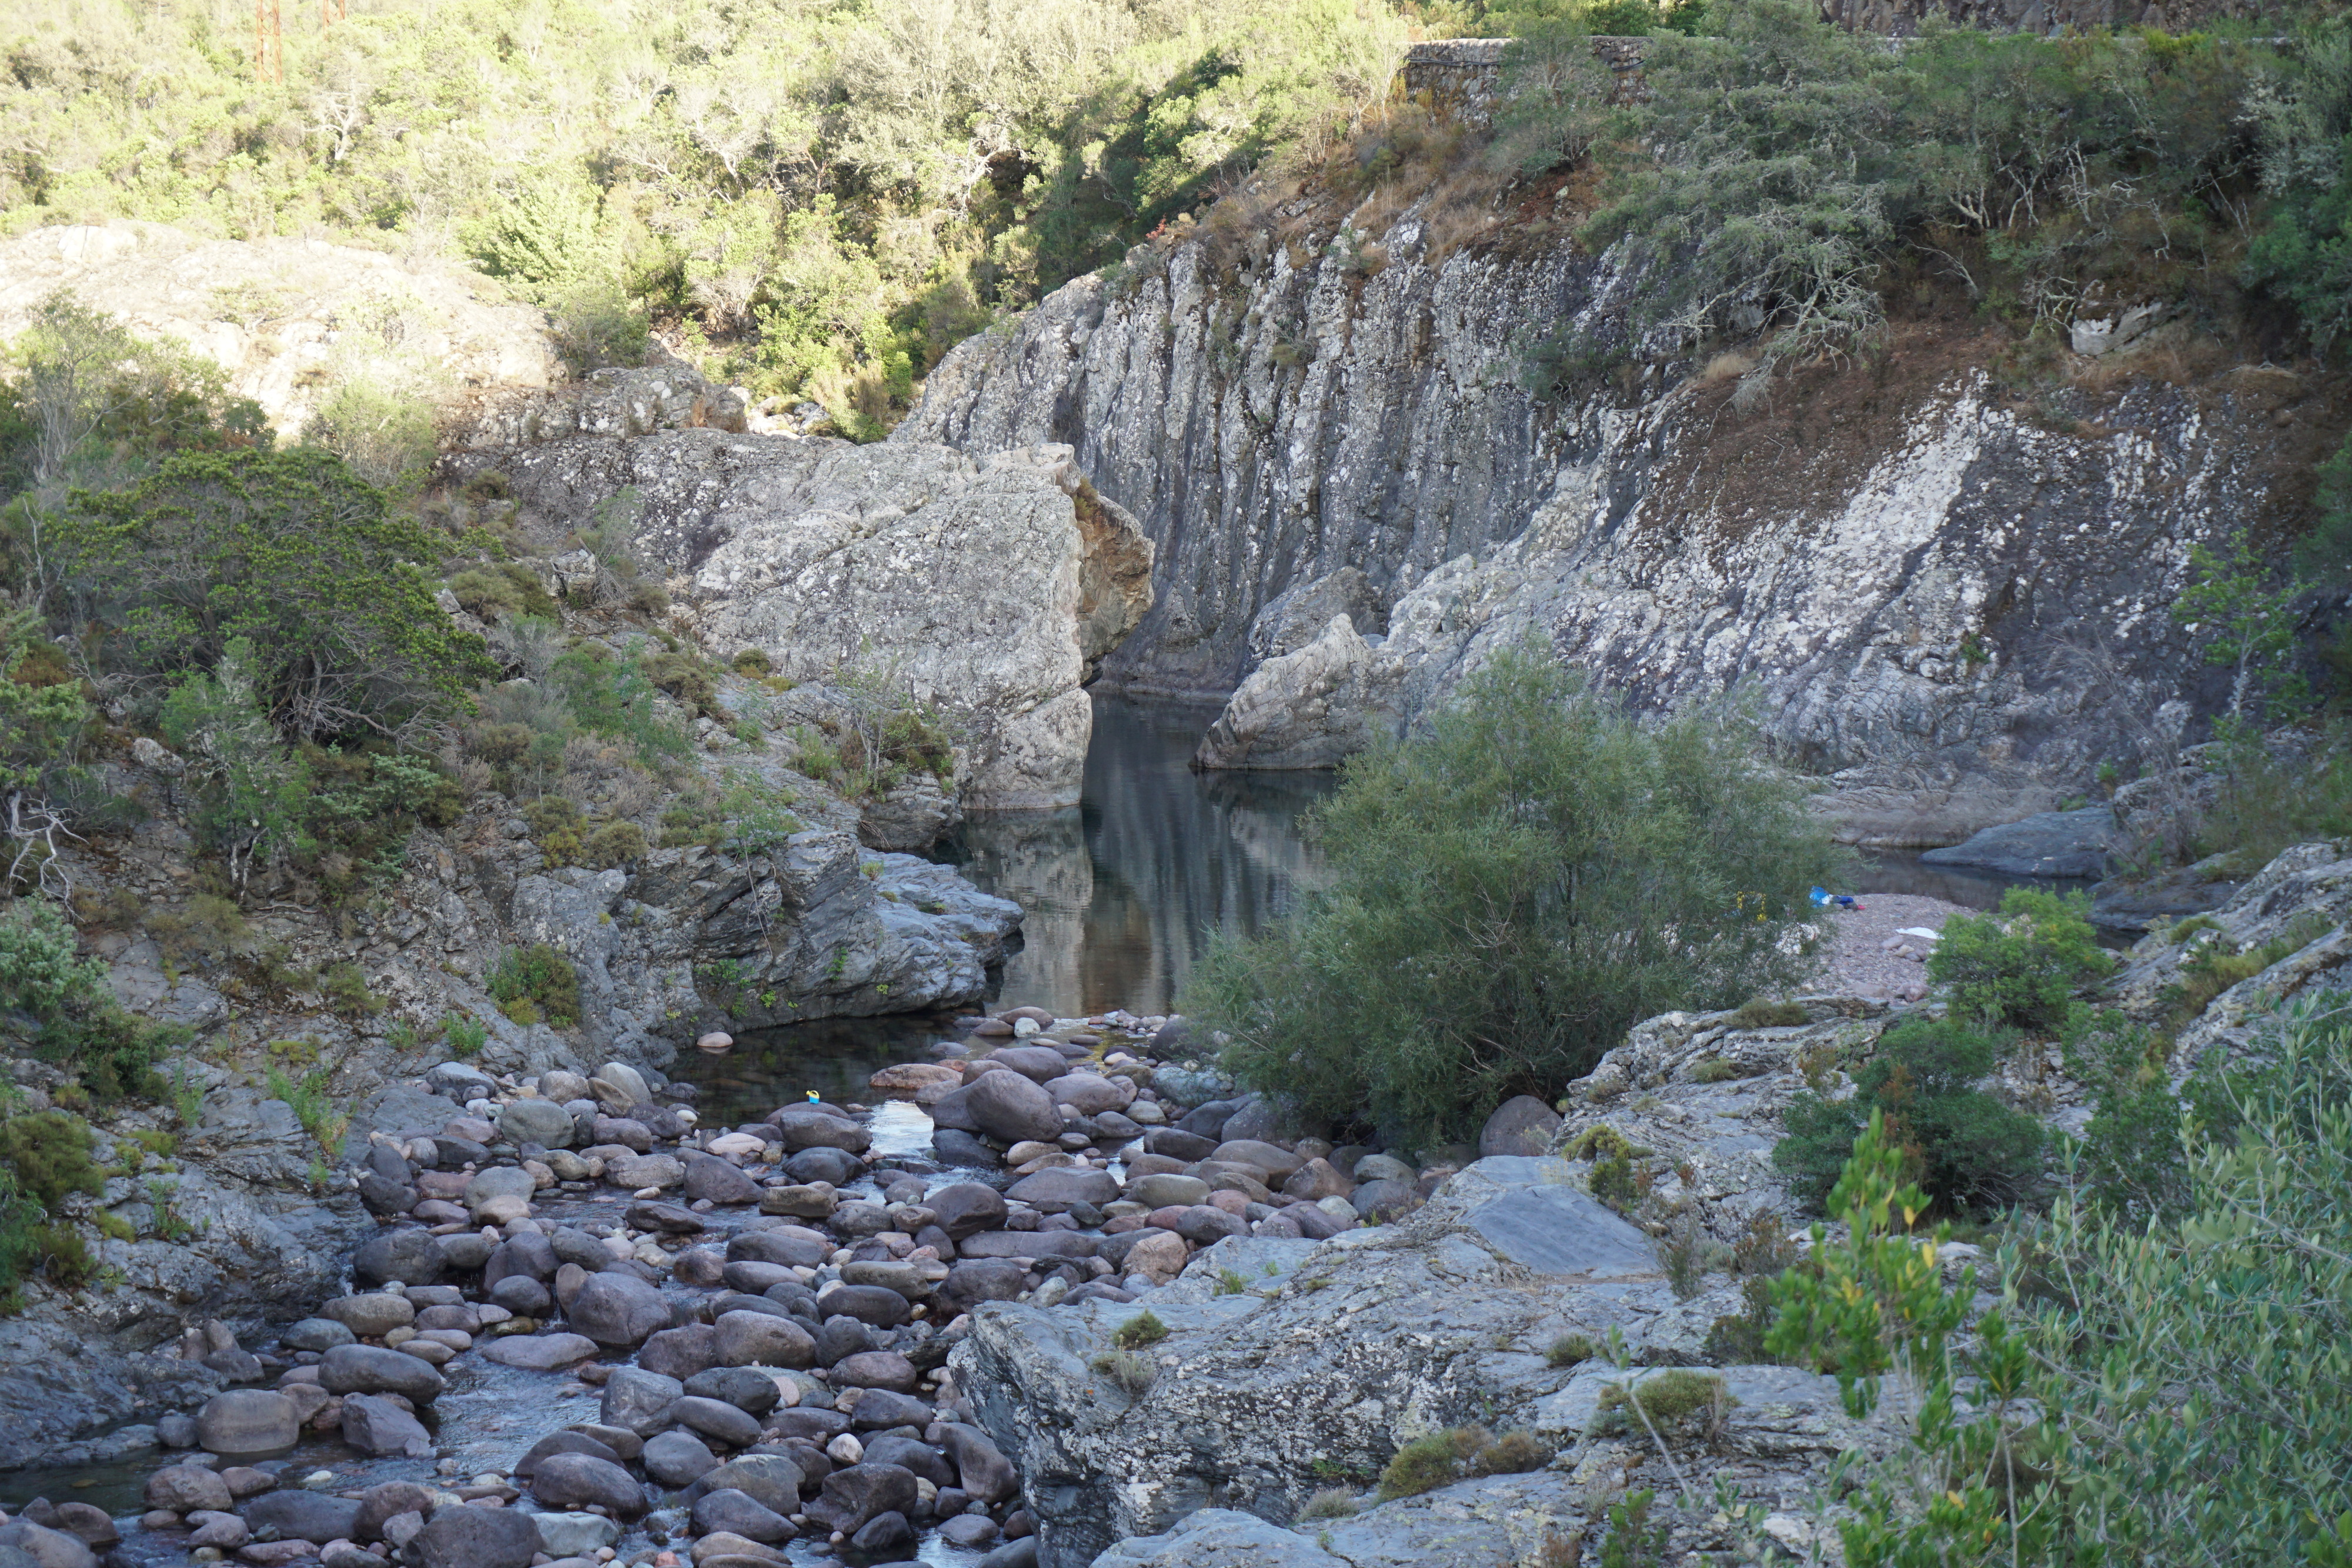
(1331, 1502)
(594, 324)
(1128, 1371)
(1510, 892)
(1143, 1328)
(292, 554)
(1570, 1350)
(345, 988)
(537, 981)
(1427, 1463)
(1758, 1013)
(1670, 1398)
(2022, 966)
(1512, 1454)
(2130, 1160)
(2174, 1384)
(39, 974)
(466, 1036)
(48, 1152)
(1966, 1148)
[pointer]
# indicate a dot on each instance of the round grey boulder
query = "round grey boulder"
(247, 1421)
(617, 1309)
(581, 1481)
(542, 1121)
(366, 1369)
(464, 1536)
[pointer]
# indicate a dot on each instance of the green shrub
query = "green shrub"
(613, 844)
(1510, 892)
(1143, 1328)
(112, 1052)
(207, 927)
(2022, 966)
(1966, 1148)
(686, 678)
(346, 991)
(752, 661)
(49, 1154)
(541, 980)
(113, 1226)
(39, 973)
(1758, 1013)
(593, 323)
(1427, 1463)
(1714, 1069)
(312, 1102)
(1612, 1181)
(2130, 1386)
(1570, 1350)
(1671, 1399)
(465, 1035)
(1512, 1454)
(485, 595)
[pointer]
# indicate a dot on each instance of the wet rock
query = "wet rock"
(770, 1479)
(879, 1409)
(300, 1515)
(680, 1353)
(581, 1481)
(542, 1121)
(185, 1489)
(1168, 1190)
(800, 1202)
(574, 1534)
(246, 1421)
(870, 1304)
(87, 1523)
(384, 1501)
(45, 1547)
(316, 1334)
(1002, 1104)
(464, 1536)
(982, 1468)
(1220, 1538)
(758, 1339)
(719, 1182)
(986, 1280)
(224, 1530)
(825, 1165)
(806, 1128)
(851, 1496)
(638, 1401)
(633, 1172)
(670, 1218)
(1057, 1190)
(717, 1419)
(955, 1148)
(814, 1425)
(1179, 1144)
(746, 1390)
(540, 1352)
(876, 1369)
(563, 1443)
(969, 1530)
(927, 1462)
(677, 1459)
(1381, 1201)
(1088, 1093)
(884, 1532)
(487, 1187)
(375, 1424)
(371, 1316)
(364, 1369)
(521, 1295)
(792, 1248)
(1522, 1126)
(734, 1513)
(617, 1309)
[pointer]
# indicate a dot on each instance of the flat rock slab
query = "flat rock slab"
(1497, 1518)
(2047, 844)
(1263, 1262)
(1540, 1219)
(1220, 1538)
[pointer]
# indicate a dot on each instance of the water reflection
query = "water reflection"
(1124, 890)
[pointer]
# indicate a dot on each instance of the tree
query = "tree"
(1513, 889)
(2249, 626)
(298, 556)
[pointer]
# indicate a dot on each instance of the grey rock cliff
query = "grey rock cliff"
(990, 589)
(1916, 580)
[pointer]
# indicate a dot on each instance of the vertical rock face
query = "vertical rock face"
(991, 588)
(1910, 567)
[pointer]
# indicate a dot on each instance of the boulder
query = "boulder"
(716, 1419)
(371, 1316)
(726, 1510)
(1003, 1105)
(851, 1496)
(575, 1535)
(879, 1409)
(542, 1121)
(375, 1424)
(875, 1369)
(680, 1353)
(365, 1369)
(746, 1390)
(1521, 1125)
(186, 1489)
(871, 1305)
(246, 1421)
(1220, 1538)
(792, 1248)
(316, 1334)
(772, 1480)
(299, 1514)
(1056, 1190)
(677, 1459)
(835, 1166)
(1167, 1190)
(807, 1128)
(563, 1443)
(617, 1309)
(411, 1257)
(464, 1536)
(46, 1548)
(634, 1172)
(582, 1480)
(760, 1339)
(638, 1401)
(1316, 1180)
(1040, 1064)
(539, 1352)
(719, 1182)
(982, 1468)
(1277, 1163)
(2049, 843)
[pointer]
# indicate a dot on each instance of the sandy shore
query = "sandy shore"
(1859, 962)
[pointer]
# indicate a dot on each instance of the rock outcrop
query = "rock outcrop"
(1929, 587)
(276, 314)
(991, 590)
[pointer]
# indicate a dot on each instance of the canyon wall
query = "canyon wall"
(1940, 588)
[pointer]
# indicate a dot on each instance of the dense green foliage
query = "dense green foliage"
(293, 554)
(1965, 1148)
(1511, 891)
(2164, 1391)
(535, 984)
(2022, 966)
(831, 193)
